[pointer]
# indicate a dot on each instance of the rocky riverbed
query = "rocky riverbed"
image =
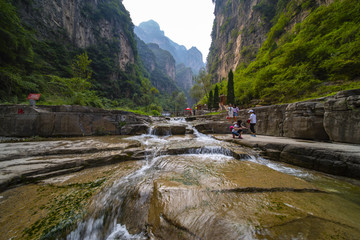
(189, 186)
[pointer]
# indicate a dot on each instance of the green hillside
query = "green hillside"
(317, 57)
(38, 56)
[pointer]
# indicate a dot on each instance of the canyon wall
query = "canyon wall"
(241, 27)
(83, 23)
(51, 121)
(335, 118)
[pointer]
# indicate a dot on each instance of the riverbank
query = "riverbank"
(335, 158)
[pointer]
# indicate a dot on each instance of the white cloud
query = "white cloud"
(186, 22)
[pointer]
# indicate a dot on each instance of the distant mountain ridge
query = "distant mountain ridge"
(150, 32)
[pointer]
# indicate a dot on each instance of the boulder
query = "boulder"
(166, 130)
(305, 120)
(270, 119)
(342, 117)
(218, 127)
(134, 129)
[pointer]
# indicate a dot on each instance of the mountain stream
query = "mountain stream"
(195, 187)
(188, 186)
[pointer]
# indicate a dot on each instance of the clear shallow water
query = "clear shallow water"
(205, 193)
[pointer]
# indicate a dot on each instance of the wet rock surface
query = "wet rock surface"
(194, 206)
(30, 161)
(173, 187)
(334, 158)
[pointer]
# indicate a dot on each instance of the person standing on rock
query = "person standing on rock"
(230, 113)
(236, 110)
(252, 121)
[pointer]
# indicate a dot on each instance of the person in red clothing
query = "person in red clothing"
(237, 129)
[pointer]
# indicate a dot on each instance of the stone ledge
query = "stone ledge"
(333, 158)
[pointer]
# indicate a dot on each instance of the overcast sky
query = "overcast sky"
(186, 22)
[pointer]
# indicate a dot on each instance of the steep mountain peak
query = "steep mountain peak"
(150, 32)
(151, 27)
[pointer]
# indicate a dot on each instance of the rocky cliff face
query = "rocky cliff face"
(167, 54)
(164, 60)
(80, 22)
(241, 27)
(184, 77)
(103, 28)
(238, 32)
(159, 64)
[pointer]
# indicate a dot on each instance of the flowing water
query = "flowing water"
(195, 187)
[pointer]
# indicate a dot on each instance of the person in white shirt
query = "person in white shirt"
(230, 112)
(252, 121)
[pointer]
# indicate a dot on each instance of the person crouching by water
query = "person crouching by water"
(237, 129)
(252, 121)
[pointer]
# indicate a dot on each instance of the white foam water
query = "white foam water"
(280, 167)
(120, 232)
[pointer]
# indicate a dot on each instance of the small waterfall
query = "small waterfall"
(211, 150)
(105, 222)
(193, 187)
(120, 232)
(151, 130)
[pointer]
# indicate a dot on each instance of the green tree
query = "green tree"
(180, 102)
(81, 66)
(216, 97)
(154, 92)
(230, 89)
(210, 100)
(75, 90)
(81, 72)
(202, 85)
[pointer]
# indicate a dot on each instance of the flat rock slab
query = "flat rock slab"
(335, 158)
(29, 161)
(228, 199)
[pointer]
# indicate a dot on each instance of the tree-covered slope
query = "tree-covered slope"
(311, 50)
(40, 40)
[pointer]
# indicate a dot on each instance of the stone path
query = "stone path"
(334, 158)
